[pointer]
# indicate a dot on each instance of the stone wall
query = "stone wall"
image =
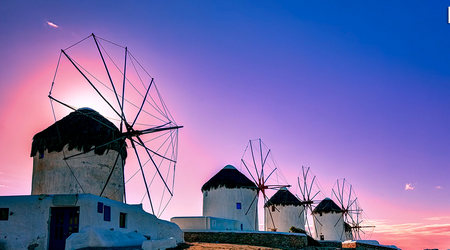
(196, 223)
(266, 239)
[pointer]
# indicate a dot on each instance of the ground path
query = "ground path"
(201, 245)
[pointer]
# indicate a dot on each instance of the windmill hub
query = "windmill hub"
(308, 202)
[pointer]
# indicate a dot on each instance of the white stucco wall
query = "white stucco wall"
(29, 221)
(52, 176)
(328, 227)
(221, 202)
(284, 217)
(206, 223)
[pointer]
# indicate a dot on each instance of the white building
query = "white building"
(229, 194)
(329, 221)
(283, 211)
(85, 220)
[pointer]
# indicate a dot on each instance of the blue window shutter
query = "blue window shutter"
(107, 213)
(100, 207)
(4, 214)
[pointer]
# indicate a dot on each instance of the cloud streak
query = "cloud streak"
(415, 228)
(438, 218)
(51, 24)
(430, 232)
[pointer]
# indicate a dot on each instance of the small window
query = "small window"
(107, 213)
(242, 227)
(41, 155)
(206, 193)
(100, 207)
(238, 205)
(123, 220)
(322, 237)
(273, 208)
(4, 213)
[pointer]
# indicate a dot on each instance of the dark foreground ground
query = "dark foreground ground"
(201, 245)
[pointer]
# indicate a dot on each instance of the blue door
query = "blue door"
(63, 222)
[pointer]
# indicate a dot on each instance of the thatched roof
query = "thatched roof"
(327, 205)
(228, 177)
(283, 198)
(82, 129)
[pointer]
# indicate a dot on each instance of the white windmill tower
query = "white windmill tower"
(265, 174)
(328, 223)
(283, 211)
(227, 194)
(75, 134)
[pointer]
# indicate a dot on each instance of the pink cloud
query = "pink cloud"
(409, 186)
(414, 235)
(438, 187)
(438, 218)
(51, 24)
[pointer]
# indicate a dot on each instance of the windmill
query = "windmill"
(260, 165)
(104, 75)
(352, 215)
(309, 190)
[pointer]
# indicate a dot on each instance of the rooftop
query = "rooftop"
(228, 177)
(82, 129)
(283, 197)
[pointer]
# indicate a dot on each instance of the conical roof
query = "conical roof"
(82, 129)
(327, 205)
(228, 177)
(283, 197)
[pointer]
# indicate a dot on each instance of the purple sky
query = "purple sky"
(354, 89)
